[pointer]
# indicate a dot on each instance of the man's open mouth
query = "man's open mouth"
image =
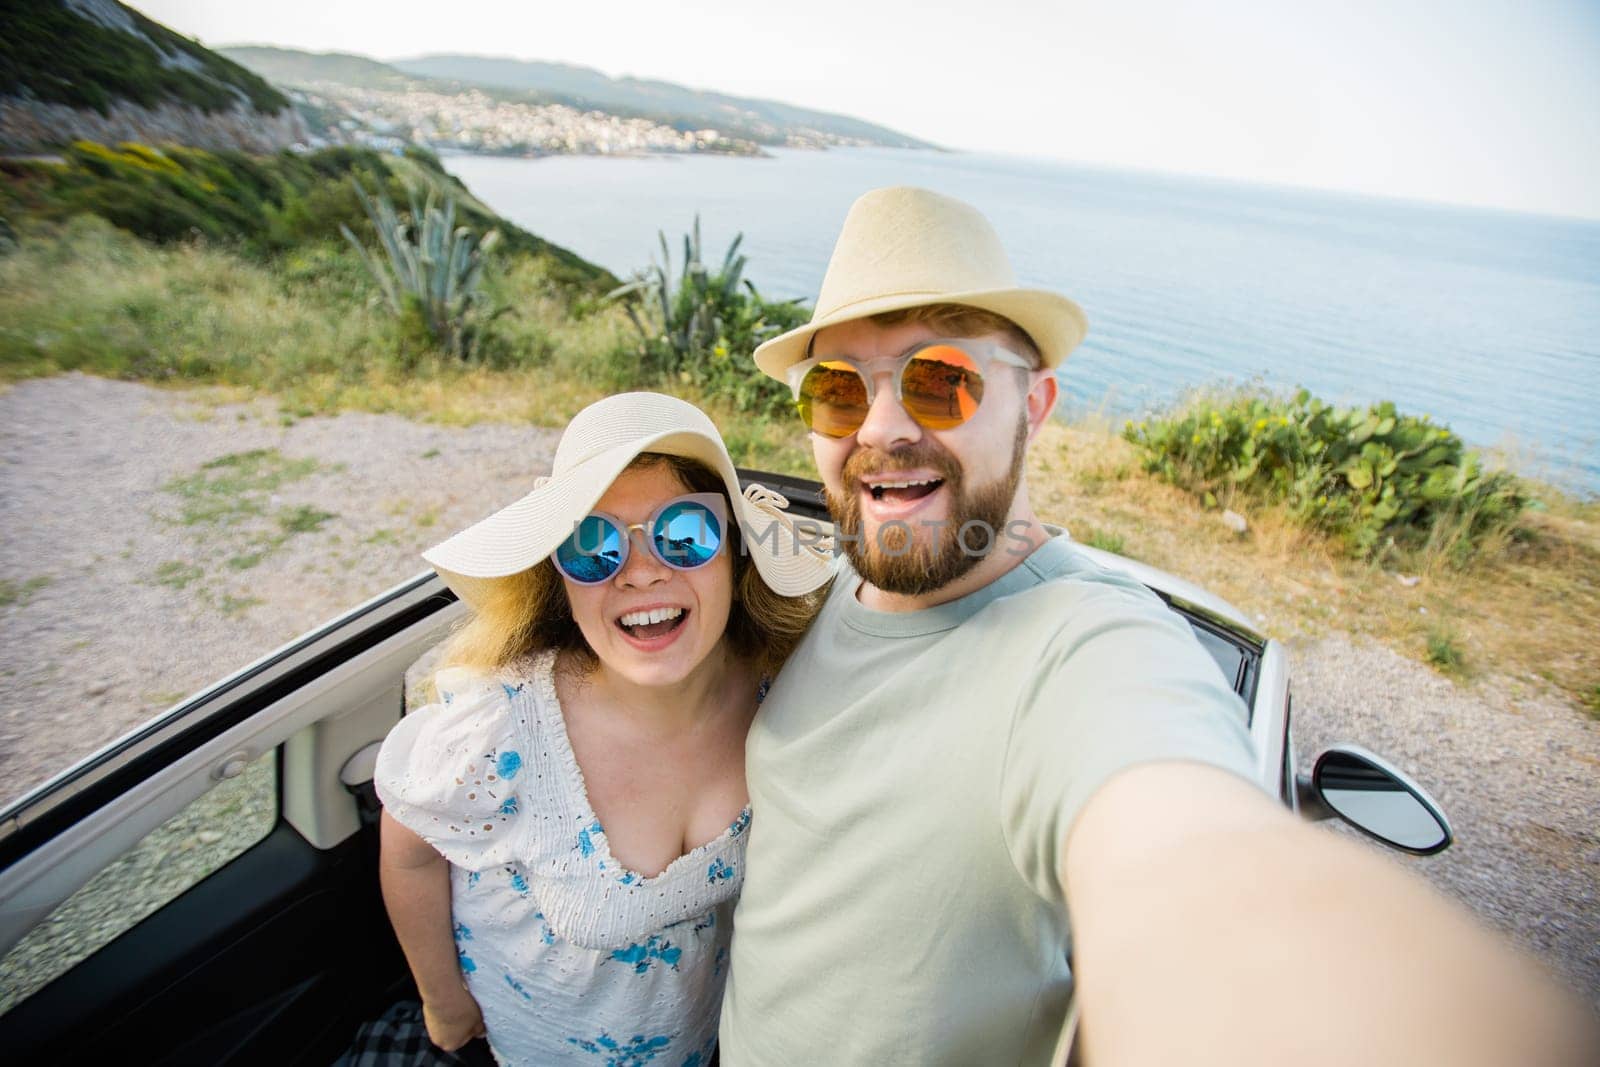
(651, 624)
(906, 491)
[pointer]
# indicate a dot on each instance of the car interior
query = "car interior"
(279, 953)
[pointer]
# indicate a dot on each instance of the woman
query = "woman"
(563, 831)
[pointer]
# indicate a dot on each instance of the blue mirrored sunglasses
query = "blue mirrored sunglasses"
(684, 533)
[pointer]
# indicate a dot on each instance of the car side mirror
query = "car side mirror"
(1380, 801)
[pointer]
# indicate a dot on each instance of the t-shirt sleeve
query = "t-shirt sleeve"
(449, 772)
(1124, 682)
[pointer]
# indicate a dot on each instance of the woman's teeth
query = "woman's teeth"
(645, 618)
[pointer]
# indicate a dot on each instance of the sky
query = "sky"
(1482, 102)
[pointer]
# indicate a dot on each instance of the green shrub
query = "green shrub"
(700, 326)
(1371, 477)
(1444, 653)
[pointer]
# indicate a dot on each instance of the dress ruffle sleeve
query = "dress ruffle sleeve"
(452, 772)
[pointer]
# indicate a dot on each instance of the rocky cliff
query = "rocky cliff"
(98, 70)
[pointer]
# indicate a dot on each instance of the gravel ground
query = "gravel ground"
(1513, 767)
(131, 574)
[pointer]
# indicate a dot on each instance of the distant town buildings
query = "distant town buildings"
(474, 121)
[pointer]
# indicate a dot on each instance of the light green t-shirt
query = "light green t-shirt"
(913, 778)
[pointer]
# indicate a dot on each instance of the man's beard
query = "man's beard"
(891, 559)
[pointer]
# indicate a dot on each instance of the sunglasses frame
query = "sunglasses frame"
(715, 503)
(983, 353)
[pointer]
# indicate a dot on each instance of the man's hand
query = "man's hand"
(1212, 927)
(452, 1021)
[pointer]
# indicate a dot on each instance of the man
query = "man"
(983, 733)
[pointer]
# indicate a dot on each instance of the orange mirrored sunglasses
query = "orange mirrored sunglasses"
(939, 383)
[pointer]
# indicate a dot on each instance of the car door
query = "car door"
(279, 951)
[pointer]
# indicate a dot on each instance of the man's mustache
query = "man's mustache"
(923, 454)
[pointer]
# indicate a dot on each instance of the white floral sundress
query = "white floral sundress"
(573, 958)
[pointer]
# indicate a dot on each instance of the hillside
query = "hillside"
(479, 104)
(98, 70)
(287, 66)
(764, 121)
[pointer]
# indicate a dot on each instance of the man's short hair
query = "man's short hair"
(963, 320)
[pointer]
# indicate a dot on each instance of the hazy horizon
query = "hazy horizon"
(1481, 103)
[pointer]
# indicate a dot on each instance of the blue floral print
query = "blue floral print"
(585, 844)
(638, 1051)
(640, 957)
(509, 764)
(719, 871)
(514, 984)
(508, 806)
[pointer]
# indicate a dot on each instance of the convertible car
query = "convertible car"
(251, 802)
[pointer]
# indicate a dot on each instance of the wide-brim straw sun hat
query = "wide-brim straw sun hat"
(904, 247)
(598, 445)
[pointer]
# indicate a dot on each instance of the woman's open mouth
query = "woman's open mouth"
(652, 625)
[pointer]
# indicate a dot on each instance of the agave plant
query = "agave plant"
(701, 324)
(685, 312)
(429, 264)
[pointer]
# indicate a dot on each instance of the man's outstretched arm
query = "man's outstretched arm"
(1212, 927)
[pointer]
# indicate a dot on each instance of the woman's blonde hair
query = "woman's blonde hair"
(529, 612)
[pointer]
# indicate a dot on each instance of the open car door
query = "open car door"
(280, 947)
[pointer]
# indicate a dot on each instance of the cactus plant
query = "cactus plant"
(699, 325)
(430, 267)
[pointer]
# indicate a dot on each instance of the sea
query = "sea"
(1488, 321)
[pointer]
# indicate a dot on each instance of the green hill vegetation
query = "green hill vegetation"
(260, 205)
(296, 273)
(56, 54)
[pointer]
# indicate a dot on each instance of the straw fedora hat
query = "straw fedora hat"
(903, 247)
(599, 442)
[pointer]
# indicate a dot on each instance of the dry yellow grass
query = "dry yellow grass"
(1527, 612)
